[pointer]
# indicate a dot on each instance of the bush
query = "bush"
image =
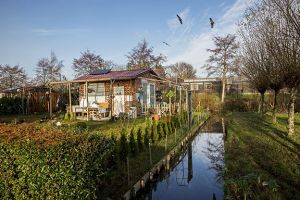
(146, 137)
(153, 133)
(165, 128)
(139, 139)
(11, 105)
(123, 146)
(66, 170)
(160, 131)
(81, 126)
(132, 143)
(241, 105)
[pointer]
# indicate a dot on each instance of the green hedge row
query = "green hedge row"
(69, 170)
(135, 141)
(11, 105)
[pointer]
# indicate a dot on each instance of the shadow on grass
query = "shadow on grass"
(256, 145)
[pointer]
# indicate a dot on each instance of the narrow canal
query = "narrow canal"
(198, 171)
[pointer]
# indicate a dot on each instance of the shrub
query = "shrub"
(81, 126)
(12, 105)
(65, 169)
(153, 133)
(132, 143)
(160, 131)
(139, 139)
(170, 127)
(123, 146)
(165, 128)
(146, 137)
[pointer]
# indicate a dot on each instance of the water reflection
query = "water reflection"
(198, 172)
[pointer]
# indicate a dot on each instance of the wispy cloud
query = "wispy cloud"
(51, 32)
(193, 47)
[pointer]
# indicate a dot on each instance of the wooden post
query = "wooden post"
(50, 102)
(189, 100)
(23, 103)
(111, 98)
(186, 99)
(87, 100)
(170, 106)
(180, 99)
(70, 99)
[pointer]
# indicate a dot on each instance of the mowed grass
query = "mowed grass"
(261, 161)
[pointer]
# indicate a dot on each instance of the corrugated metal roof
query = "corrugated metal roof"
(124, 74)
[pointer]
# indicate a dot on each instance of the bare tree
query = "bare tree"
(89, 62)
(283, 37)
(49, 69)
(277, 24)
(12, 77)
(182, 70)
(142, 56)
(223, 60)
(253, 67)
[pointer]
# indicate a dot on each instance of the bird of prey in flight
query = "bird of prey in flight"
(179, 18)
(211, 22)
(166, 44)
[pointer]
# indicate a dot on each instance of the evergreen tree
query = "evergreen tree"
(132, 143)
(159, 131)
(123, 147)
(153, 133)
(140, 139)
(166, 129)
(146, 137)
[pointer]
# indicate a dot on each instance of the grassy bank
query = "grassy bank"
(261, 161)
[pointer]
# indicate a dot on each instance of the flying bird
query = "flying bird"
(166, 44)
(179, 18)
(211, 22)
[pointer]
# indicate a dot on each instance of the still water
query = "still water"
(198, 173)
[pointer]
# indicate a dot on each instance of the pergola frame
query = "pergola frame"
(87, 81)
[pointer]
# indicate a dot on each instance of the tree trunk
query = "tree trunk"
(291, 112)
(223, 90)
(262, 101)
(274, 118)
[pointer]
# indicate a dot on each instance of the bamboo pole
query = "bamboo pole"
(186, 99)
(23, 103)
(111, 98)
(50, 101)
(70, 99)
(180, 99)
(170, 106)
(87, 101)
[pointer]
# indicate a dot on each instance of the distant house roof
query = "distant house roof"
(117, 75)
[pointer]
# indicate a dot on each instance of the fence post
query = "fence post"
(189, 109)
(50, 102)
(70, 99)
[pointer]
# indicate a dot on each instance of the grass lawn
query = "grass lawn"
(261, 161)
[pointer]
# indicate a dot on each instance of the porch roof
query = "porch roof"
(116, 75)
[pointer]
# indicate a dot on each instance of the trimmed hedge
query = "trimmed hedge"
(11, 105)
(68, 170)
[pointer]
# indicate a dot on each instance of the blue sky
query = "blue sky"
(31, 29)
